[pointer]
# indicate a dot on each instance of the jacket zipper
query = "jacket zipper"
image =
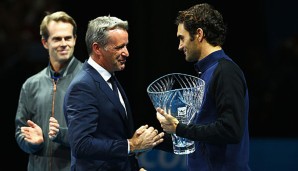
(52, 114)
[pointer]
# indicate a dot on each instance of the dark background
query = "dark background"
(262, 38)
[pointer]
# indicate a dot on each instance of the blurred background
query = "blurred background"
(262, 38)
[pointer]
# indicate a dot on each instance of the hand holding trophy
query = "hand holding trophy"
(181, 96)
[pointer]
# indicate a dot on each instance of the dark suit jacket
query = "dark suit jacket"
(98, 124)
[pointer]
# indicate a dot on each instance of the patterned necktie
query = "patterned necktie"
(114, 85)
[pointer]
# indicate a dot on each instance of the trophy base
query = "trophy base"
(182, 146)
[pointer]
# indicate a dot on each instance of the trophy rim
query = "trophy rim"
(202, 83)
(168, 91)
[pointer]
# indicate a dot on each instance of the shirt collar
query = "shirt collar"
(104, 73)
(208, 61)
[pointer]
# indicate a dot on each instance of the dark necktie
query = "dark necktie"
(113, 81)
(114, 85)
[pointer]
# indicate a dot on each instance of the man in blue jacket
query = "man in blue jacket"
(220, 128)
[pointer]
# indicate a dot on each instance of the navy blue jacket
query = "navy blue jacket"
(220, 129)
(98, 125)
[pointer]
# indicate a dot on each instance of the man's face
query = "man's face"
(116, 52)
(188, 46)
(61, 41)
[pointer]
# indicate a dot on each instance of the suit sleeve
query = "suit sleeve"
(228, 89)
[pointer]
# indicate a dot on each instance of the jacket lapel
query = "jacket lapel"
(127, 106)
(102, 84)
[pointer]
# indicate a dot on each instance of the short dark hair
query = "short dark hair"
(204, 16)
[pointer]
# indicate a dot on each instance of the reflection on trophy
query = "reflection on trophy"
(181, 96)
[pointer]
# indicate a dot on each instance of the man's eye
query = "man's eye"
(56, 39)
(120, 47)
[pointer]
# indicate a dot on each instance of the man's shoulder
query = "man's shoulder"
(37, 76)
(228, 65)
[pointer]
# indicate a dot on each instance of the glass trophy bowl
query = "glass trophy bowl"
(181, 96)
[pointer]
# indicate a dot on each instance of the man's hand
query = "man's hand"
(145, 139)
(53, 128)
(32, 133)
(167, 121)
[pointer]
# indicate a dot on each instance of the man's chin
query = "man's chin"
(122, 67)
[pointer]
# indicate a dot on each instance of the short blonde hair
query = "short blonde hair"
(56, 16)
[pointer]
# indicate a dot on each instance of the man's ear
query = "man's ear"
(44, 43)
(97, 52)
(96, 48)
(200, 34)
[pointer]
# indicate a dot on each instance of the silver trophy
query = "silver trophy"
(181, 96)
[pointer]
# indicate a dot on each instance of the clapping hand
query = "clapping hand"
(53, 128)
(145, 139)
(32, 133)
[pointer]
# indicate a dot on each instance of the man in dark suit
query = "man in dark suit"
(100, 123)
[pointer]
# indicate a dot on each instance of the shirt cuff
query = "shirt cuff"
(128, 147)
